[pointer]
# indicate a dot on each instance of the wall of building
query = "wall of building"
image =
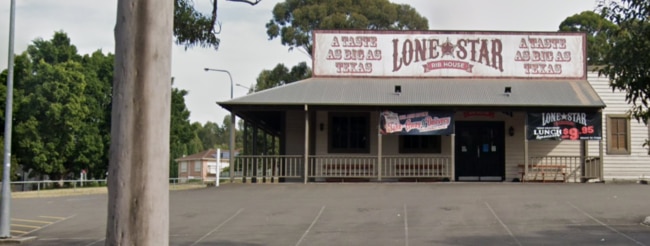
(630, 166)
(514, 147)
(191, 171)
(295, 132)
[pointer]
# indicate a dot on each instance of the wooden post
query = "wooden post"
(379, 149)
(453, 158)
(523, 177)
(306, 164)
(247, 151)
(601, 161)
(138, 182)
(231, 160)
(256, 154)
(584, 152)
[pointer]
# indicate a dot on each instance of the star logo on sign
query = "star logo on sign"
(448, 48)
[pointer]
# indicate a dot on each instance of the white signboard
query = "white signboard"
(359, 53)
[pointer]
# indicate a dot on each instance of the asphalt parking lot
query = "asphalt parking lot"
(367, 214)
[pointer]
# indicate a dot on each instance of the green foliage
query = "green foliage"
(193, 28)
(99, 76)
(599, 32)
(281, 75)
(61, 109)
(294, 20)
(210, 134)
(54, 51)
(62, 101)
(51, 133)
(182, 133)
(13, 174)
(628, 63)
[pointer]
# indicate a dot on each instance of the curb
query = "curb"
(16, 240)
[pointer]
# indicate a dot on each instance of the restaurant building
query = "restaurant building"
(430, 105)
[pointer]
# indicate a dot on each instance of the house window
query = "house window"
(618, 134)
(429, 144)
(349, 133)
(183, 167)
(197, 166)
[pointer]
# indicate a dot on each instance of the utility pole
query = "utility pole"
(5, 225)
(138, 181)
(231, 144)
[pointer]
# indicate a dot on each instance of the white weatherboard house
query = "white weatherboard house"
(448, 106)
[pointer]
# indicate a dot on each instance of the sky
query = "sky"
(245, 48)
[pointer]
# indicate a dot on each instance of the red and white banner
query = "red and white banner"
(363, 53)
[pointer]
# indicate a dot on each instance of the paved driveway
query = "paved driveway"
(371, 214)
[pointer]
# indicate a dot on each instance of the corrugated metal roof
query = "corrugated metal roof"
(427, 92)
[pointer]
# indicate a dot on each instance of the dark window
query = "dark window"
(618, 135)
(349, 133)
(419, 144)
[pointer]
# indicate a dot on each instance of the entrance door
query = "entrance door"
(480, 154)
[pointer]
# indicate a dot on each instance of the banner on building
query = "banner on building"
(416, 122)
(369, 53)
(564, 126)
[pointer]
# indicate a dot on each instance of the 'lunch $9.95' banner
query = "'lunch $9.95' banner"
(564, 126)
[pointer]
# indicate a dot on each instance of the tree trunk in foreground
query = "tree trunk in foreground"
(138, 194)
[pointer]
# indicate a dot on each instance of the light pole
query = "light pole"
(231, 145)
(243, 86)
(5, 203)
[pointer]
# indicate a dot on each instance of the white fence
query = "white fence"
(74, 185)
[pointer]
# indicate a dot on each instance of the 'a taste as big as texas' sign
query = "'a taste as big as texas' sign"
(449, 54)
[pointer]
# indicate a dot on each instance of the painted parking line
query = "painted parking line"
(34, 225)
(605, 225)
(97, 241)
(32, 221)
(406, 227)
(25, 226)
(18, 232)
(219, 226)
(512, 235)
(312, 225)
(52, 217)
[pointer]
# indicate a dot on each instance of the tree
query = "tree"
(193, 28)
(54, 87)
(138, 183)
(50, 133)
(294, 20)
(281, 75)
(99, 76)
(210, 135)
(51, 93)
(598, 31)
(627, 62)
(182, 133)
